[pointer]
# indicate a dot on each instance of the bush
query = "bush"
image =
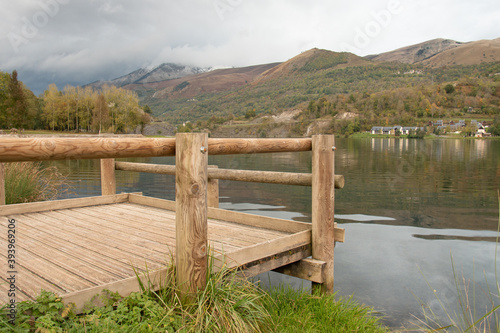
(30, 181)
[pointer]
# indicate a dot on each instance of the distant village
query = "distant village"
(476, 128)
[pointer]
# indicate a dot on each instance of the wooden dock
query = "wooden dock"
(78, 247)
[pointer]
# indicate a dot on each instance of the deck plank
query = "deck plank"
(80, 249)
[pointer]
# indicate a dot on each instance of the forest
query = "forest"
(380, 94)
(73, 109)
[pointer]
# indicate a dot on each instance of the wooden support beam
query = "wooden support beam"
(213, 190)
(270, 177)
(323, 206)
(42, 149)
(2, 184)
(251, 146)
(307, 269)
(108, 180)
(191, 160)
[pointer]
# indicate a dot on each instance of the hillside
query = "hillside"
(369, 83)
(310, 61)
(204, 83)
(416, 53)
(472, 53)
(165, 71)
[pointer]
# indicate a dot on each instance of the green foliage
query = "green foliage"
(299, 311)
(18, 105)
(494, 128)
(377, 92)
(250, 114)
(323, 60)
(449, 88)
(110, 109)
(229, 303)
(181, 86)
(185, 128)
(30, 181)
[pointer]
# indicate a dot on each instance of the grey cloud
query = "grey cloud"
(84, 40)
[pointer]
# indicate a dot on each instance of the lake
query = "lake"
(410, 208)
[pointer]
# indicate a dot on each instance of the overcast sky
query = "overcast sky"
(80, 41)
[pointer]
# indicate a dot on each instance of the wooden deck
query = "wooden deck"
(77, 247)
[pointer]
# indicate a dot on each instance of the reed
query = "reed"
(31, 181)
(465, 318)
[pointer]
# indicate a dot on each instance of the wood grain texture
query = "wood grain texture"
(251, 146)
(61, 204)
(323, 196)
(213, 189)
(108, 180)
(270, 223)
(271, 177)
(2, 184)
(40, 149)
(307, 269)
(191, 211)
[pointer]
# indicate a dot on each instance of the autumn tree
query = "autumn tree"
(101, 118)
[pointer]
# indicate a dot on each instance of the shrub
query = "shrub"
(31, 181)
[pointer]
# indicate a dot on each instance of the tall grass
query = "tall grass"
(228, 303)
(30, 181)
(299, 311)
(465, 318)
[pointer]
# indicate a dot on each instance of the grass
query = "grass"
(229, 303)
(299, 311)
(468, 316)
(30, 181)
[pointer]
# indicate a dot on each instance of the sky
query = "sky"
(80, 41)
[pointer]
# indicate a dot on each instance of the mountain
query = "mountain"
(203, 83)
(312, 60)
(165, 71)
(416, 53)
(178, 93)
(443, 52)
(473, 53)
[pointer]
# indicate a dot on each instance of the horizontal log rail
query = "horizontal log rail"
(40, 149)
(270, 177)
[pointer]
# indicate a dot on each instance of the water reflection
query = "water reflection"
(423, 199)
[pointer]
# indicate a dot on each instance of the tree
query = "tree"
(101, 117)
(17, 106)
(449, 88)
(494, 129)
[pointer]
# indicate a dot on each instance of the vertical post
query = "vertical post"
(323, 187)
(213, 190)
(191, 160)
(108, 181)
(2, 184)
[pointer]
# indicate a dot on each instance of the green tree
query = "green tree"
(449, 88)
(17, 106)
(101, 120)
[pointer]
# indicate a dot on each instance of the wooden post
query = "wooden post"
(2, 184)
(191, 161)
(108, 181)
(213, 190)
(323, 188)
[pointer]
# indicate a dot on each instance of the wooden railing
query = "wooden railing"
(195, 180)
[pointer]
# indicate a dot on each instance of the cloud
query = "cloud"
(82, 41)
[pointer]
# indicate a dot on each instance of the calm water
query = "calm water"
(407, 207)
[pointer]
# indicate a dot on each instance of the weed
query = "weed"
(299, 311)
(465, 319)
(30, 181)
(228, 303)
